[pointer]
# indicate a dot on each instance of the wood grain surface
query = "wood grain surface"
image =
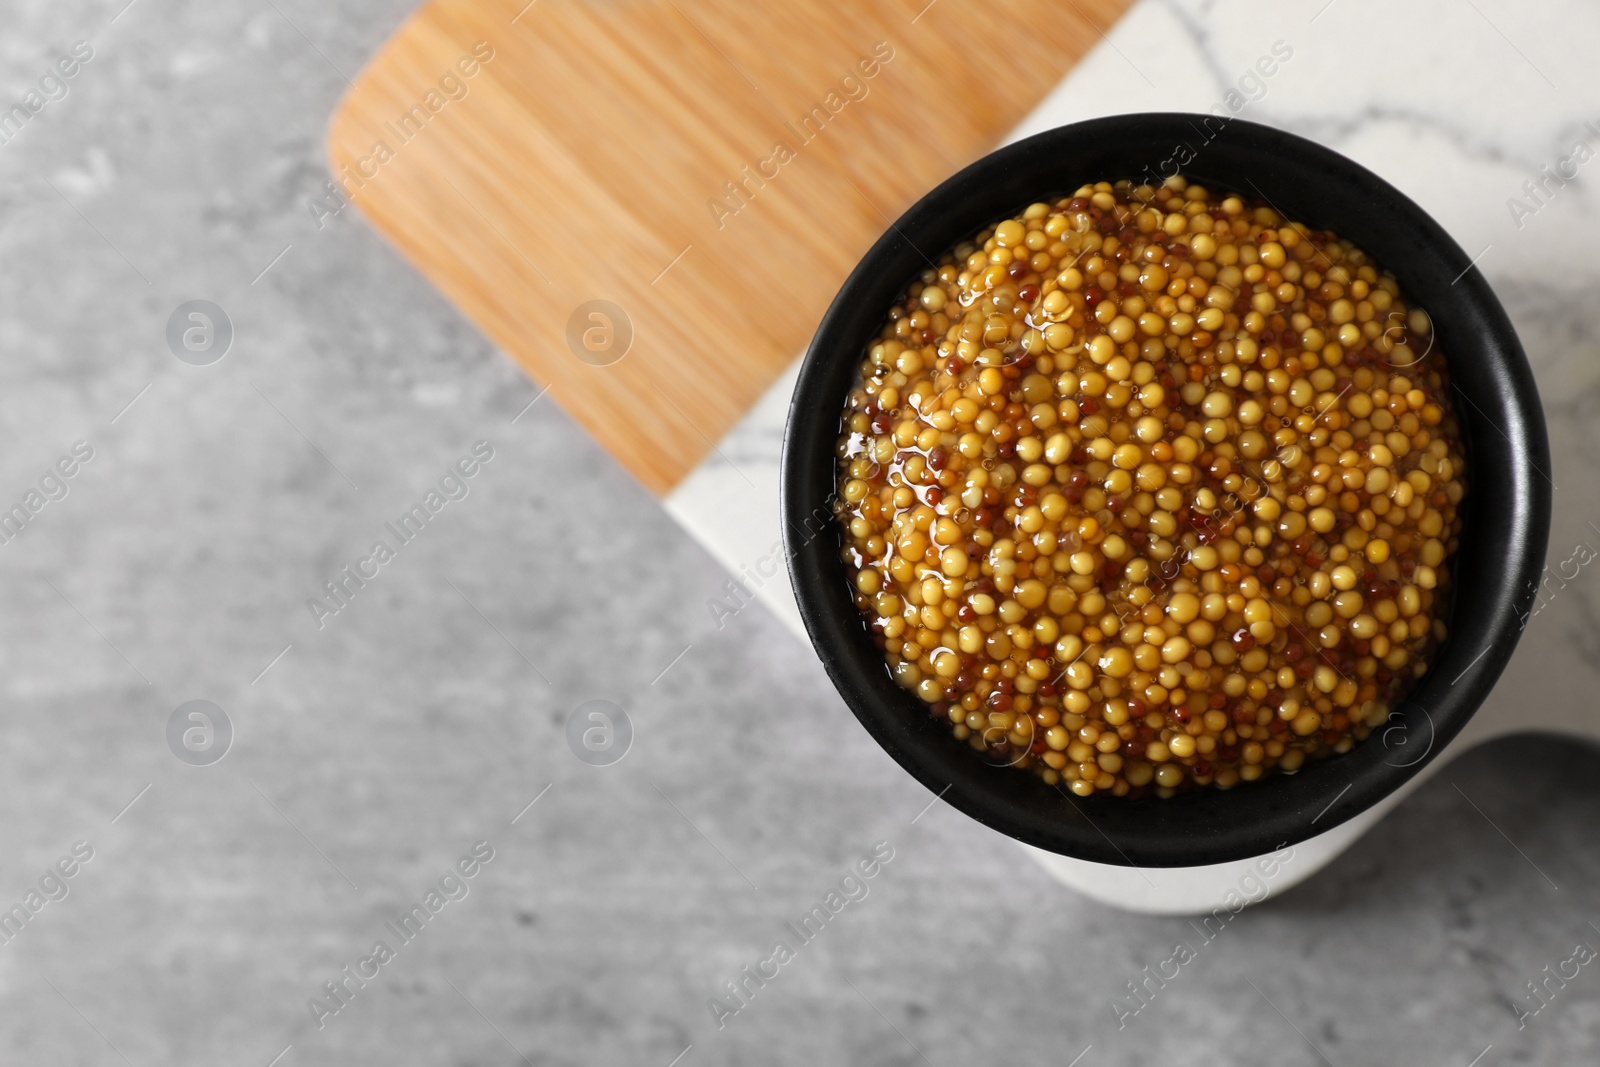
(712, 168)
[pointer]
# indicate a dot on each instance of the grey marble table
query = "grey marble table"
(218, 903)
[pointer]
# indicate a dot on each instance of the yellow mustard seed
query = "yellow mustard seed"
(1152, 490)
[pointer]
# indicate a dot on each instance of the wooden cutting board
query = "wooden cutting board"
(710, 169)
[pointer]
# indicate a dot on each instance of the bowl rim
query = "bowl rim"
(1505, 526)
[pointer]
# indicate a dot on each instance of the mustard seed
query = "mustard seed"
(1153, 489)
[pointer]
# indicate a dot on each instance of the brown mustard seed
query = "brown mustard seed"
(1150, 488)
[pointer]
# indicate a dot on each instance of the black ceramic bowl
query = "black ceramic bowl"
(1506, 520)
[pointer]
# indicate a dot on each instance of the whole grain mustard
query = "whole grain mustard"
(1149, 488)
